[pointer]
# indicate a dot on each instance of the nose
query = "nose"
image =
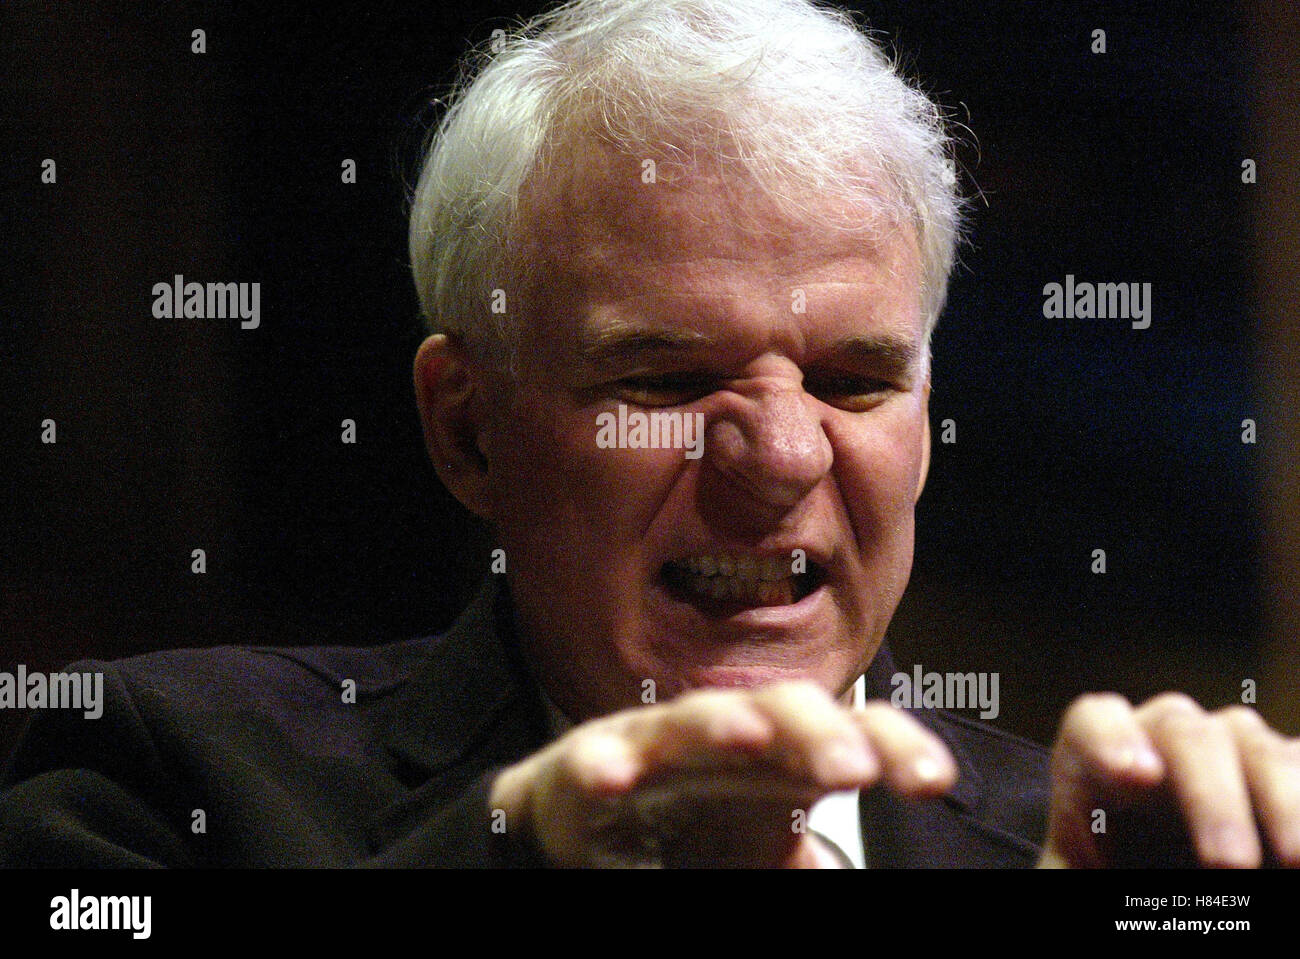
(769, 446)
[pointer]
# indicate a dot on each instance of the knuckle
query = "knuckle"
(703, 697)
(804, 689)
(1090, 705)
(798, 695)
(1175, 714)
(702, 703)
(1243, 719)
(1091, 711)
(895, 723)
(879, 712)
(1102, 700)
(691, 707)
(1238, 713)
(1174, 703)
(1249, 728)
(1182, 724)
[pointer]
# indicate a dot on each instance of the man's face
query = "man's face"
(803, 349)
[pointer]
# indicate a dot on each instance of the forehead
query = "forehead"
(599, 237)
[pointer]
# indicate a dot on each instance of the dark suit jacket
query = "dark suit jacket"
(252, 757)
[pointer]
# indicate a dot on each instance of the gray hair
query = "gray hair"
(795, 94)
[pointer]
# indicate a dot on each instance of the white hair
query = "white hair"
(795, 94)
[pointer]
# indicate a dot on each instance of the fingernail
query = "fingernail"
(607, 768)
(1140, 759)
(927, 770)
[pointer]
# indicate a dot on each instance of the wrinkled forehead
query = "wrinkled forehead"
(600, 215)
(594, 196)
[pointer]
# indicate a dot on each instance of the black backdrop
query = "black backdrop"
(180, 434)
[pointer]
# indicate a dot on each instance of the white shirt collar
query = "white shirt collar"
(837, 816)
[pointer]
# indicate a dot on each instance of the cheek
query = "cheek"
(878, 465)
(557, 493)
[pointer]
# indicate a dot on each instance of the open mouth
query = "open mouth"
(720, 581)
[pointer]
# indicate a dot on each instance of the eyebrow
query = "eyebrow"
(621, 345)
(891, 354)
(625, 346)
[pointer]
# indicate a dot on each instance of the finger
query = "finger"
(1101, 756)
(1103, 751)
(817, 738)
(812, 853)
(702, 729)
(1207, 778)
(1272, 765)
(757, 793)
(554, 794)
(601, 762)
(914, 761)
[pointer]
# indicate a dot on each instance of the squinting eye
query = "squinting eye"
(667, 390)
(848, 391)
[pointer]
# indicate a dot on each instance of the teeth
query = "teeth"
(754, 592)
(769, 569)
(768, 581)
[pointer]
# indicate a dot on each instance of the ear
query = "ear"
(448, 389)
(925, 444)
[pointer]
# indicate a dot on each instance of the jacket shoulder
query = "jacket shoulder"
(265, 675)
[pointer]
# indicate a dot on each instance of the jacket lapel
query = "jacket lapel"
(472, 696)
(986, 820)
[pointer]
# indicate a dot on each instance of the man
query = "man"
(739, 214)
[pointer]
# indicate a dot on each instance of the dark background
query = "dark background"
(1071, 434)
